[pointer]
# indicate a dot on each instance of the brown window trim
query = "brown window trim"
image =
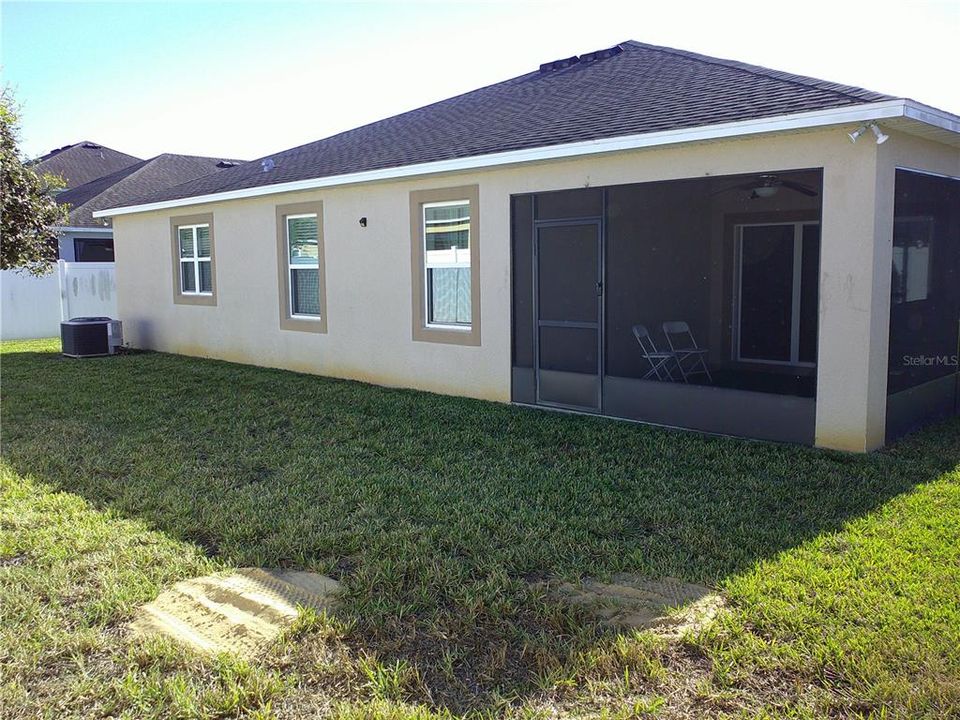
(287, 322)
(178, 297)
(421, 331)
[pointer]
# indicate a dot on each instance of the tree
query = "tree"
(29, 214)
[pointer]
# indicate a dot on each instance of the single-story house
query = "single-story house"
(89, 239)
(638, 232)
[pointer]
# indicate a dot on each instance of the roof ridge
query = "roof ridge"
(82, 144)
(850, 91)
(142, 164)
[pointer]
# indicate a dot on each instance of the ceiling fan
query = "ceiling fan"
(764, 186)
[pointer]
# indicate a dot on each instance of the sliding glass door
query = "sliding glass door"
(777, 267)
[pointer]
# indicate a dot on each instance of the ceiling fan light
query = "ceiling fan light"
(765, 191)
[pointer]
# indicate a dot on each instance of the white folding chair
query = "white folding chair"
(691, 359)
(660, 361)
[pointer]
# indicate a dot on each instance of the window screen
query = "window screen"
(446, 237)
(303, 265)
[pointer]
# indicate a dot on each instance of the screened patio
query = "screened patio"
(691, 303)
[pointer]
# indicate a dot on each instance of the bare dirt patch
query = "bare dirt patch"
(240, 613)
(667, 606)
(13, 560)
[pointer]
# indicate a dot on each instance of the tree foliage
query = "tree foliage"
(29, 213)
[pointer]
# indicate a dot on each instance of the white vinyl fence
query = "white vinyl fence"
(32, 307)
(29, 306)
(87, 289)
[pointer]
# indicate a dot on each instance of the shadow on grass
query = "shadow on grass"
(436, 512)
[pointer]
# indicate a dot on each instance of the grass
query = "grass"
(120, 476)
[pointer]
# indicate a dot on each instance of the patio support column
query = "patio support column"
(854, 298)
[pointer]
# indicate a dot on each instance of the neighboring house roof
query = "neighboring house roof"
(631, 90)
(82, 162)
(142, 178)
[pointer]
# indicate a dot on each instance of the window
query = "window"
(777, 267)
(446, 239)
(93, 249)
(194, 263)
(304, 265)
(445, 256)
(196, 273)
(301, 267)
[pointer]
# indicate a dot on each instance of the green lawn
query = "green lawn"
(120, 476)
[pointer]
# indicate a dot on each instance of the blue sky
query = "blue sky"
(244, 79)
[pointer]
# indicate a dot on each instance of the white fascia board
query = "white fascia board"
(78, 230)
(931, 116)
(797, 121)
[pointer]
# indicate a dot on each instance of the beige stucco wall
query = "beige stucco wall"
(855, 277)
(368, 272)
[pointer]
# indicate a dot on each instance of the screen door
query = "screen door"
(568, 295)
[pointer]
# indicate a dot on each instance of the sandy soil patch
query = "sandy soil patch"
(669, 606)
(239, 613)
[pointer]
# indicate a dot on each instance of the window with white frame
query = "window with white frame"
(303, 265)
(446, 246)
(196, 268)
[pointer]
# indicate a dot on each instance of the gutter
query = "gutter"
(819, 118)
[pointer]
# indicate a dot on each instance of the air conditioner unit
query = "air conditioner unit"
(90, 336)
